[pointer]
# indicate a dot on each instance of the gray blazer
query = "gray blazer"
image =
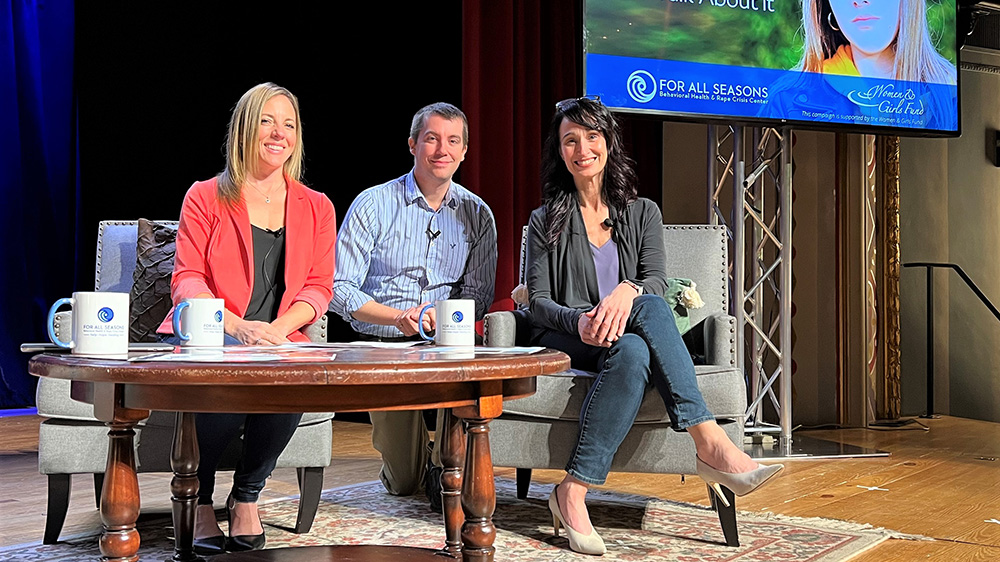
(562, 281)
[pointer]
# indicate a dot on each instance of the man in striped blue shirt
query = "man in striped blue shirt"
(405, 243)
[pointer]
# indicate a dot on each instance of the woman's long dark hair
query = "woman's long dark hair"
(618, 187)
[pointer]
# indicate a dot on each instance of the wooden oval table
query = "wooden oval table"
(472, 385)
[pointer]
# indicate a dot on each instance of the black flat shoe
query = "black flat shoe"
(432, 486)
(210, 546)
(241, 543)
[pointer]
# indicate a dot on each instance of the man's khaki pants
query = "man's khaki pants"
(401, 437)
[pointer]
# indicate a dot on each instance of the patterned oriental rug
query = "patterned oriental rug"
(634, 528)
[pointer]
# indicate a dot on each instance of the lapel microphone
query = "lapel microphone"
(608, 223)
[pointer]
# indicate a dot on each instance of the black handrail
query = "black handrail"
(930, 316)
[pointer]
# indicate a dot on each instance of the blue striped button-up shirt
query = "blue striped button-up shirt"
(394, 249)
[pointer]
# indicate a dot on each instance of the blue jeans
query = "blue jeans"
(650, 352)
(265, 436)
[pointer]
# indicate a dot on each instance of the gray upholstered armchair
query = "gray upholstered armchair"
(72, 441)
(540, 431)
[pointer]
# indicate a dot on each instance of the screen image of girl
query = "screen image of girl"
(867, 63)
(872, 38)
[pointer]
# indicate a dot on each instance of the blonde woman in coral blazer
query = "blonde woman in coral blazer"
(260, 240)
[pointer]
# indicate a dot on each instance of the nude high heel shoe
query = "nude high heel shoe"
(584, 544)
(740, 483)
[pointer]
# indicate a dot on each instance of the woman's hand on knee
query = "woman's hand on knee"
(608, 319)
(599, 333)
(584, 325)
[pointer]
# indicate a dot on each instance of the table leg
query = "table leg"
(184, 458)
(479, 498)
(120, 496)
(453, 458)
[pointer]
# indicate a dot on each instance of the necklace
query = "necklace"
(267, 198)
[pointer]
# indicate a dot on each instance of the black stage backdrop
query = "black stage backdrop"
(156, 87)
(118, 108)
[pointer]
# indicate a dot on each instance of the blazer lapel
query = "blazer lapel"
(298, 226)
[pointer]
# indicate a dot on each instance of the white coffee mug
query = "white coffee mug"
(100, 324)
(456, 322)
(203, 320)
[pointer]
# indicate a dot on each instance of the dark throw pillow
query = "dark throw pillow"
(154, 264)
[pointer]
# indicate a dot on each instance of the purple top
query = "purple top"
(606, 264)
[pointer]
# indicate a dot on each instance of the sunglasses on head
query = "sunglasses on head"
(566, 102)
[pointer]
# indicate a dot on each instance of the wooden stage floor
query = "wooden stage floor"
(942, 483)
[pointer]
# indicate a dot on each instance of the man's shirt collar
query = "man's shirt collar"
(412, 194)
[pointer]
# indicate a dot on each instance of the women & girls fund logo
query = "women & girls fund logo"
(884, 98)
(641, 86)
(105, 314)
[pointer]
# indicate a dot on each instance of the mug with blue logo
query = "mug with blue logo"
(99, 327)
(456, 322)
(198, 322)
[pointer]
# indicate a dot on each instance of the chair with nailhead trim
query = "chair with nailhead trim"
(540, 431)
(72, 441)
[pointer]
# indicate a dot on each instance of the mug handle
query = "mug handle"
(420, 322)
(50, 323)
(177, 321)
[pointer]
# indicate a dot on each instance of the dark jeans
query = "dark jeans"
(264, 438)
(650, 352)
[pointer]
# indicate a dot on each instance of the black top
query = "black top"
(562, 281)
(268, 274)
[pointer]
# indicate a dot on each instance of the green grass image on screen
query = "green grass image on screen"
(719, 34)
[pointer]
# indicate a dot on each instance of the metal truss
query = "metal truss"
(757, 213)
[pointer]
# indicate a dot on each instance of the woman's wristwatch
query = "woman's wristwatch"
(636, 286)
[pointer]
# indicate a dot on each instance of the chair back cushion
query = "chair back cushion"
(115, 256)
(700, 253)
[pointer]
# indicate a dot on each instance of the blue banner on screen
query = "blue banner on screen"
(842, 64)
(748, 93)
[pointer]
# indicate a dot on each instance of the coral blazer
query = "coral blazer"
(215, 251)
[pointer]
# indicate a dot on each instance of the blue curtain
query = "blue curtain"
(39, 179)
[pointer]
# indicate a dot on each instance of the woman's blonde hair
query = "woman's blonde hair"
(241, 141)
(916, 59)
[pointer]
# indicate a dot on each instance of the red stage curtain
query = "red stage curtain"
(519, 58)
